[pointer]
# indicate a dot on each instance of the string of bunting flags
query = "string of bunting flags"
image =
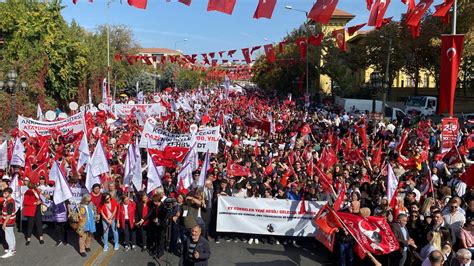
(322, 11)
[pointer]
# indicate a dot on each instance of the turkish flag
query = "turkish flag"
(322, 11)
(281, 46)
(369, 3)
(175, 153)
(301, 43)
(353, 29)
(323, 179)
(377, 159)
(340, 36)
(415, 31)
(160, 159)
(414, 17)
(316, 39)
(468, 176)
(264, 9)
(305, 130)
(206, 60)
(451, 52)
(246, 54)
(443, 9)
(138, 3)
(43, 152)
(378, 12)
(234, 169)
(224, 6)
(340, 197)
(41, 170)
(186, 2)
(269, 52)
(373, 233)
(327, 223)
(362, 131)
(255, 48)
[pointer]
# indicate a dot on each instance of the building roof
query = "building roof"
(157, 51)
(342, 14)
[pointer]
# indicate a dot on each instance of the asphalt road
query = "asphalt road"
(225, 253)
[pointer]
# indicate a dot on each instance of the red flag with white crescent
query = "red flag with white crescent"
(264, 9)
(414, 17)
(373, 233)
(316, 39)
(322, 11)
(327, 223)
(340, 36)
(353, 29)
(246, 54)
(378, 12)
(443, 9)
(301, 43)
(234, 169)
(269, 53)
(451, 52)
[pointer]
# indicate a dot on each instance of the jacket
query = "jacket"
(397, 231)
(131, 209)
(142, 211)
(29, 203)
(113, 207)
(202, 247)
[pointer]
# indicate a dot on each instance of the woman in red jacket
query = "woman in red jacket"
(32, 211)
(126, 221)
(108, 212)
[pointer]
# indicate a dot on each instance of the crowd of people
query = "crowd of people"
(291, 153)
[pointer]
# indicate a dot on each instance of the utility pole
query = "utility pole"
(108, 45)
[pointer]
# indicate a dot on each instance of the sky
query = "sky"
(164, 23)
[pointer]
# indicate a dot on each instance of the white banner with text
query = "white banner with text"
(267, 216)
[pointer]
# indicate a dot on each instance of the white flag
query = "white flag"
(18, 155)
(39, 113)
(129, 165)
(16, 194)
(84, 153)
(98, 163)
(62, 191)
(154, 174)
(392, 183)
(185, 176)
(137, 170)
(293, 141)
(91, 179)
(4, 155)
(204, 168)
(105, 93)
(192, 157)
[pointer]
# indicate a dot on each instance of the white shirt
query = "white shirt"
(125, 206)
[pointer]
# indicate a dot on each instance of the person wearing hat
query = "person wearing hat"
(87, 217)
(8, 219)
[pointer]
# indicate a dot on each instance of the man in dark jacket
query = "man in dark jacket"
(404, 240)
(196, 249)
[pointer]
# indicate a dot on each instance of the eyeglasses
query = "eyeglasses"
(453, 206)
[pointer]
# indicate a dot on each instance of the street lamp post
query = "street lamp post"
(176, 43)
(307, 37)
(376, 84)
(11, 88)
(387, 71)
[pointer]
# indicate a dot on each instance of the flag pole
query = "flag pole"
(455, 16)
(431, 182)
(372, 258)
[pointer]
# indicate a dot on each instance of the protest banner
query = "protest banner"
(266, 216)
(32, 127)
(449, 133)
(124, 110)
(156, 138)
(77, 194)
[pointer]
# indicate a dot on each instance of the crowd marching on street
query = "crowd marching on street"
(412, 200)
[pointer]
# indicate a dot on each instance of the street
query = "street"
(225, 253)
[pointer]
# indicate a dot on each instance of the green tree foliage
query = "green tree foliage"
(187, 79)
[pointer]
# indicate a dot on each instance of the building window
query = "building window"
(427, 81)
